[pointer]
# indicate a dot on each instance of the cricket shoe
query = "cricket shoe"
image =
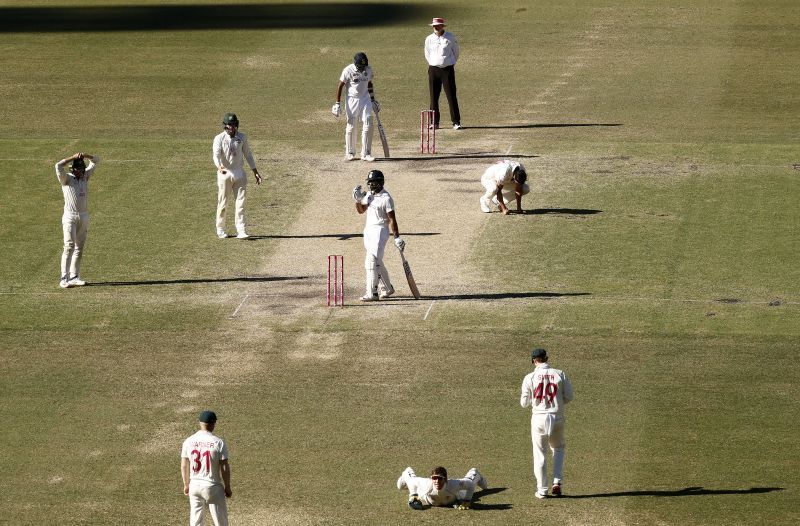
(485, 206)
(385, 293)
(368, 158)
(401, 482)
(349, 157)
(369, 297)
(64, 283)
(456, 126)
(76, 281)
(556, 490)
(242, 235)
(222, 235)
(541, 494)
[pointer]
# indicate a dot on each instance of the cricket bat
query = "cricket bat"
(382, 133)
(409, 277)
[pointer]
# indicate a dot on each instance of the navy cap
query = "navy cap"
(538, 353)
(207, 417)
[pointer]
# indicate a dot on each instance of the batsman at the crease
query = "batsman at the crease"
(379, 207)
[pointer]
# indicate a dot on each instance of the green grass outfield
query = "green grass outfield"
(657, 261)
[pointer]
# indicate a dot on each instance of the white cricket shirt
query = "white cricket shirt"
(204, 451)
(356, 81)
(546, 390)
(231, 152)
(378, 207)
(453, 490)
(76, 198)
(501, 172)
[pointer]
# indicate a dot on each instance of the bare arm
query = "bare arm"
(518, 195)
(500, 203)
(185, 474)
(360, 208)
(225, 469)
(393, 228)
(339, 91)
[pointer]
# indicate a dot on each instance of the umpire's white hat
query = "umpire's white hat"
(438, 22)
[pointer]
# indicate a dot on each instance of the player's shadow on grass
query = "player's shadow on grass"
(685, 492)
(560, 211)
(340, 237)
(469, 155)
(478, 505)
(553, 125)
(505, 295)
(193, 17)
(251, 279)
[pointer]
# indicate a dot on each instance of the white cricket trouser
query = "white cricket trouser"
(547, 430)
(234, 182)
(358, 109)
(211, 497)
(76, 228)
(375, 238)
(509, 194)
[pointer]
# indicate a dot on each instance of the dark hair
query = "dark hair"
(78, 164)
(521, 176)
(439, 471)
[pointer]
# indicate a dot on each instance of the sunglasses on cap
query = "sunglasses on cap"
(437, 477)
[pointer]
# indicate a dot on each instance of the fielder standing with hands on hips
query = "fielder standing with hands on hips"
(546, 390)
(229, 151)
(75, 221)
(206, 473)
(359, 104)
(441, 52)
(381, 220)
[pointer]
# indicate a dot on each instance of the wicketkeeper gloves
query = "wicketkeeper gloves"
(462, 505)
(399, 243)
(336, 110)
(414, 503)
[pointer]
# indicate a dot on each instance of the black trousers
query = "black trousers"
(443, 77)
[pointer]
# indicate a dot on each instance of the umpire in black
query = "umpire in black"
(441, 52)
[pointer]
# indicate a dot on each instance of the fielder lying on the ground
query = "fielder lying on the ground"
(498, 176)
(438, 490)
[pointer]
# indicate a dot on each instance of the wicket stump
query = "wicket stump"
(427, 131)
(336, 263)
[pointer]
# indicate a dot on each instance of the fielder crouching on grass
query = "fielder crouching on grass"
(379, 206)
(498, 176)
(438, 490)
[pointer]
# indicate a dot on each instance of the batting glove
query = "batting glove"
(358, 194)
(414, 503)
(376, 106)
(399, 243)
(462, 505)
(336, 110)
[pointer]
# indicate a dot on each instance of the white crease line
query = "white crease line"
(429, 310)
(239, 307)
(508, 151)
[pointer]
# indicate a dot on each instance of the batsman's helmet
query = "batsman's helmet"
(230, 118)
(360, 60)
(521, 176)
(375, 180)
(78, 164)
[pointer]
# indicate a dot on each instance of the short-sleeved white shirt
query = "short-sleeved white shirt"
(76, 191)
(378, 207)
(204, 451)
(356, 81)
(501, 172)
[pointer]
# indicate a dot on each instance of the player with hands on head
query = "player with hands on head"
(359, 105)
(229, 151)
(75, 220)
(206, 473)
(438, 490)
(546, 391)
(498, 176)
(380, 221)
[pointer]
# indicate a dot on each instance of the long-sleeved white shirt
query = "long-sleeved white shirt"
(76, 190)
(231, 152)
(441, 51)
(546, 390)
(453, 490)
